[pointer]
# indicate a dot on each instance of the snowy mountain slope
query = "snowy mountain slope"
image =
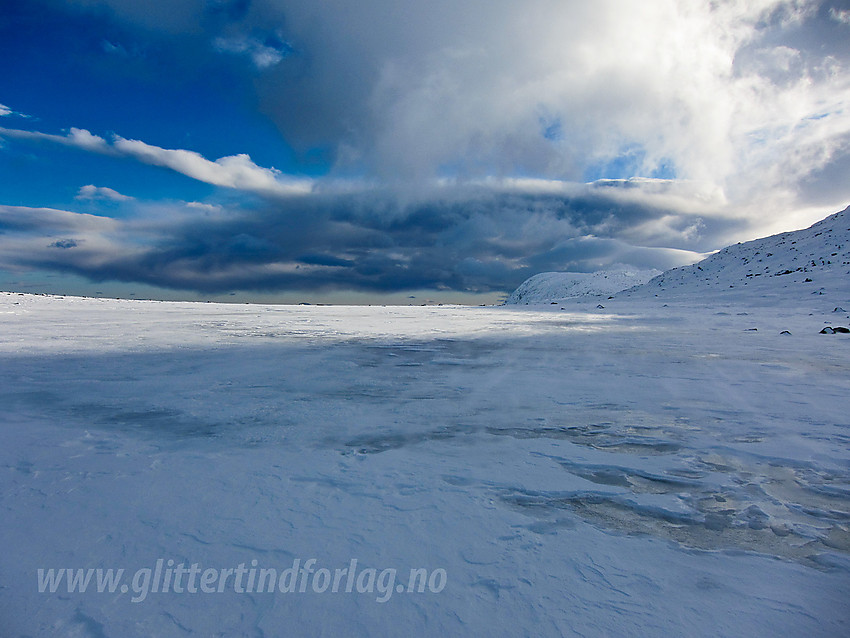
(551, 286)
(815, 260)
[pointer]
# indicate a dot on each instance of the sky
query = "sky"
(391, 151)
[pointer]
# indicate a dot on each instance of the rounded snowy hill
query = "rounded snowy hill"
(815, 260)
(552, 286)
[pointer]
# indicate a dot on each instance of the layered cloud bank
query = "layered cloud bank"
(468, 238)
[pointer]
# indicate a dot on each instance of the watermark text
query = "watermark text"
(170, 577)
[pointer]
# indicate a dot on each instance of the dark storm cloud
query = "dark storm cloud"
(466, 238)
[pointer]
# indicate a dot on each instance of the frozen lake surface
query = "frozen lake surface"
(642, 469)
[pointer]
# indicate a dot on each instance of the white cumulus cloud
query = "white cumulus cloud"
(92, 192)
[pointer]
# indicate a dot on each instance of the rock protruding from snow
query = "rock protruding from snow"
(552, 286)
(815, 260)
(829, 330)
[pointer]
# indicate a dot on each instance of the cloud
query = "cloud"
(234, 171)
(473, 144)
(456, 237)
(51, 220)
(92, 192)
(263, 54)
(210, 208)
(79, 138)
(840, 15)
(64, 243)
(748, 97)
(5, 111)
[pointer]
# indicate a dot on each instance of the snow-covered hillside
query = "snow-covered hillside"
(815, 260)
(553, 286)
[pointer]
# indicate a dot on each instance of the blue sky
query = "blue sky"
(406, 152)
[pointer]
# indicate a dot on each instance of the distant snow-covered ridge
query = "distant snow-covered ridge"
(551, 286)
(815, 260)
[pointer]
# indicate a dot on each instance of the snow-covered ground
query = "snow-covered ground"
(670, 465)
